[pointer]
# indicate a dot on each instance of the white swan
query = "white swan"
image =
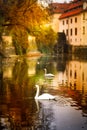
(48, 75)
(43, 96)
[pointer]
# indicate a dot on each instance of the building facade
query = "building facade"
(73, 22)
(71, 18)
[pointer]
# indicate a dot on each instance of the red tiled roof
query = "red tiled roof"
(74, 5)
(71, 13)
(74, 8)
(67, 9)
(58, 7)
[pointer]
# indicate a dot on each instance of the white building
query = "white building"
(74, 23)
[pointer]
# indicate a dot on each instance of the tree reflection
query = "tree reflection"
(1, 72)
(15, 101)
(17, 91)
(20, 72)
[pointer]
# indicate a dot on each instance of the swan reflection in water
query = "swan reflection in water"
(46, 119)
(44, 104)
(46, 110)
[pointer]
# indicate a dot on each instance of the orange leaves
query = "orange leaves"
(27, 13)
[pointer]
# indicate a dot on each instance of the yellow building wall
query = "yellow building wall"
(55, 22)
(84, 28)
(81, 25)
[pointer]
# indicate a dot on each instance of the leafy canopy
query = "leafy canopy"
(23, 17)
(21, 14)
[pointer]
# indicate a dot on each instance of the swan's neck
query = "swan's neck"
(45, 71)
(37, 93)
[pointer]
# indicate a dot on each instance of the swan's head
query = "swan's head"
(45, 70)
(37, 86)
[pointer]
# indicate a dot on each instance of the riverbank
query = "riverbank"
(36, 53)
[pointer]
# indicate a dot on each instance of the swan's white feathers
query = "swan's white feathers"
(44, 95)
(48, 74)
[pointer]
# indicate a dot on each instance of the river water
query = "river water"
(18, 108)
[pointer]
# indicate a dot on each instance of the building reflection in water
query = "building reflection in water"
(77, 79)
(17, 92)
(77, 75)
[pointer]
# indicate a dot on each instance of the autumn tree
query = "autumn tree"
(46, 39)
(20, 18)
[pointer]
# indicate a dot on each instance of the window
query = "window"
(66, 21)
(75, 75)
(74, 86)
(83, 30)
(70, 73)
(75, 20)
(71, 20)
(71, 31)
(67, 32)
(70, 84)
(83, 76)
(75, 31)
(63, 22)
